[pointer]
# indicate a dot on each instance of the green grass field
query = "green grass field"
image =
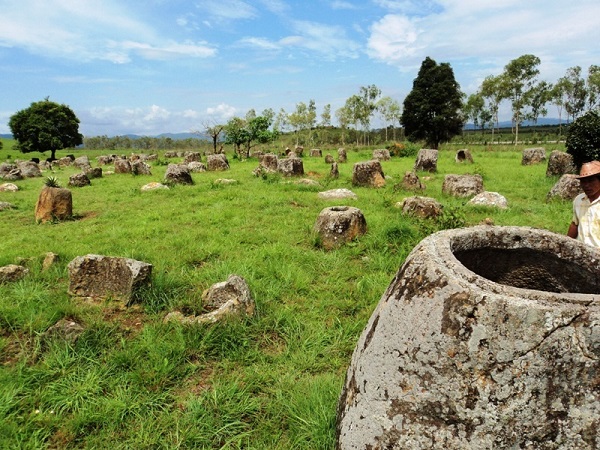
(266, 382)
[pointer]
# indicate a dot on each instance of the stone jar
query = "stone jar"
(487, 338)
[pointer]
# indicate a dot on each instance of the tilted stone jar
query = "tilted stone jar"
(487, 338)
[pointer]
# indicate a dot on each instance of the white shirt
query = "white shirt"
(586, 216)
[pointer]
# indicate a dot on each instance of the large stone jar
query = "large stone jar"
(487, 338)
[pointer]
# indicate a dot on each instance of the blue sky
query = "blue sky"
(154, 66)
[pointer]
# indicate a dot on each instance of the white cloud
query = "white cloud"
(222, 111)
(86, 31)
(393, 39)
(340, 4)
(328, 40)
(227, 9)
(259, 43)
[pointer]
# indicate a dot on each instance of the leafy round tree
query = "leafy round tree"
(45, 126)
(583, 138)
(432, 110)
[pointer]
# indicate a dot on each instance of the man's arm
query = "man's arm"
(572, 232)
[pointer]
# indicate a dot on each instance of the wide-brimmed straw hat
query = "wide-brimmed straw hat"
(589, 169)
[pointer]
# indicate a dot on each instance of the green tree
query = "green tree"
(246, 133)
(519, 80)
(491, 90)
(433, 108)
(326, 116)
(389, 109)
(45, 126)
(583, 138)
(575, 92)
(540, 96)
(593, 86)
(558, 97)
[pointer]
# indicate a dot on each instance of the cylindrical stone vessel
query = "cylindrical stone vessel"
(487, 338)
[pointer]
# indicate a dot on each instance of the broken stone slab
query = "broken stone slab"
(341, 193)
(103, 277)
(6, 205)
(65, 329)
(487, 338)
(423, 207)
(12, 273)
(491, 199)
(8, 187)
(152, 186)
(225, 299)
(465, 185)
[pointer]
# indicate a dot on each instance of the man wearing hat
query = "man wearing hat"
(586, 207)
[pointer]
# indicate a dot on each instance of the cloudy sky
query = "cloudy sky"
(154, 66)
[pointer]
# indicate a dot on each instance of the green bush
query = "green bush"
(583, 138)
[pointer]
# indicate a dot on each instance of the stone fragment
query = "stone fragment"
(381, 154)
(411, 182)
(107, 277)
(196, 167)
(329, 159)
(423, 207)
(217, 162)
(368, 173)
(462, 185)
(533, 156)
(50, 259)
(93, 172)
(290, 167)
(6, 205)
(560, 163)
(426, 161)
(338, 194)
(342, 155)
(316, 153)
(140, 167)
(178, 174)
(337, 225)
(491, 199)
(29, 169)
(65, 329)
(12, 273)
(122, 165)
(79, 180)
(82, 162)
(191, 157)
(566, 188)
(334, 173)
(222, 300)
(269, 161)
(153, 186)
(54, 204)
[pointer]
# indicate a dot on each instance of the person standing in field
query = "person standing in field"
(586, 207)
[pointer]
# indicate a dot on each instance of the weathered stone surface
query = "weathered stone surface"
(342, 155)
(368, 173)
(463, 156)
(5, 168)
(65, 161)
(491, 199)
(122, 165)
(381, 154)
(533, 156)
(341, 193)
(153, 186)
(50, 259)
(337, 225)
(423, 207)
(105, 159)
(329, 159)
(426, 161)
(54, 204)
(411, 182)
(560, 163)
(217, 162)
(334, 173)
(65, 329)
(83, 162)
(224, 299)
(12, 273)
(566, 188)
(178, 174)
(103, 277)
(93, 172)
(6, 205)
(79, 180)
(316, 153)
(268, 162)
(191, 156)
(487, 338)
(196, 167)
(29, 169)
(140, 167)
(299, 150)
(290, 167)
(13, 175)
(462, 185)
(225, 181)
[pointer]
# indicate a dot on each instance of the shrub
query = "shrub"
(583, 138)
(51, 182)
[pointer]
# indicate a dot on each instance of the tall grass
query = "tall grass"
(266, 382)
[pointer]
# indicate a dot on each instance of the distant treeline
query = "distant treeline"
(142, 143)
